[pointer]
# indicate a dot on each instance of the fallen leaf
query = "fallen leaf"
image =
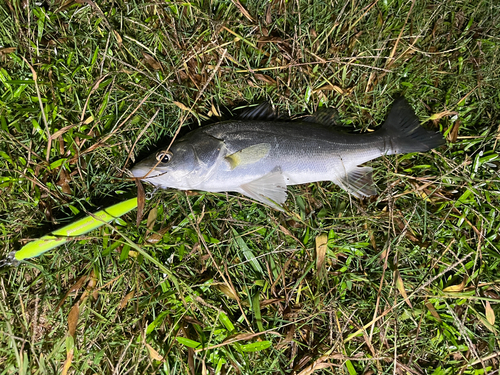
(92, 281)
(331, 88)
(318, 364)
(407, 227)
(214, 111)
(490, 293)
(265, 78)
(7, 50)
(181, 106)
(373, 242)
(64, 179)
(263, 40)
(268, 19)
(184, 108)
(433, 311)
(67, 363)
(88, 120)
(290, 333)
(456, 288)
(401, 288)
(60, 132)
(157, 236)
(487, 324)
(73, 318)
(118, 38)
(227, 291)
(74, 288)
(440, 115)
(192, 369)
(490, 314)
(270, 301)
(321, 247)
(243, 10)
(314, 36)
(60, 140)
(153, 214)
(190, 320)
(151, 61)
(154, 354)
(453, 134)
(125, 300)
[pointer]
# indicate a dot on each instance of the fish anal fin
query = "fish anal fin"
(248, 155)
(359, 182)
(269, 189)
(264, 111)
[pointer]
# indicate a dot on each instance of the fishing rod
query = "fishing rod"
(69, 232)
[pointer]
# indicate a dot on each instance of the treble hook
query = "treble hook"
(149, 196)
(9, 260)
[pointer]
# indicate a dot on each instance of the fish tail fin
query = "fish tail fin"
(405, 133)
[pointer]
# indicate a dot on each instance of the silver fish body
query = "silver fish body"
(259, 158)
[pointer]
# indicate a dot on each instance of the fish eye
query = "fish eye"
(164, 156)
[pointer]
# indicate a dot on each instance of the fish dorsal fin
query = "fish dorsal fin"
(269, 189)
(324, 116)
(248, 155)
(359, 182)
(264, 111)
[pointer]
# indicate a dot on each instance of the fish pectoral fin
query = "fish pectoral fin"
(269, 189)
(359, 182)
(248, 155)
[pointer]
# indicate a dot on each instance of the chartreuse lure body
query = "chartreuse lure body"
(69, 232)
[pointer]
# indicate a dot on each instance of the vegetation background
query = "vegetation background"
(405, 283)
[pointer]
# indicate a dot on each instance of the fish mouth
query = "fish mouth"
(145, 173)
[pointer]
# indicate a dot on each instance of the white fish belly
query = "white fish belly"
(295, 170)
(334, 168)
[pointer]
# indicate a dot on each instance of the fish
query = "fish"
(258, 154)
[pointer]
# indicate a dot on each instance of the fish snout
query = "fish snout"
(143, 171)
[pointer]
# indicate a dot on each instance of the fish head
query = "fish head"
(184, 166)
(167, 168)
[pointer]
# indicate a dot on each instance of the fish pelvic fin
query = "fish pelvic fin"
(404, 132)
(269, 189)
(359, 182)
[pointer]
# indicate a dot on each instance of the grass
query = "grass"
(408, 282)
